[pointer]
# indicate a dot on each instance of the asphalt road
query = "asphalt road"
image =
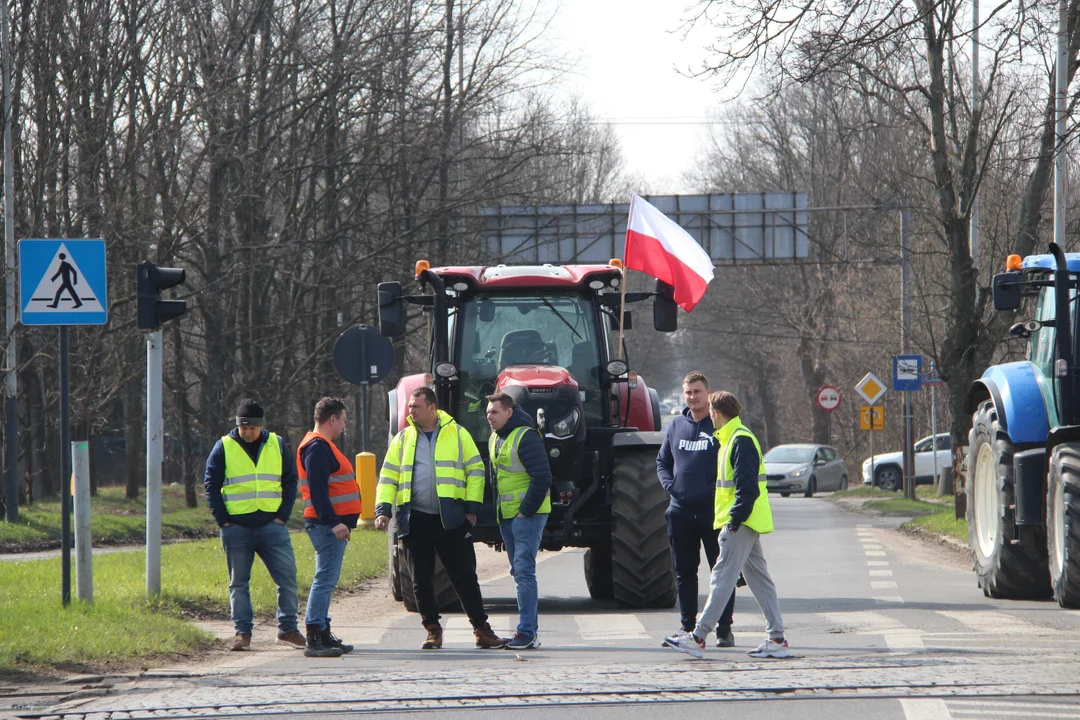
(882, 625)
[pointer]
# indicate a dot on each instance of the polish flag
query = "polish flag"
(656, 245)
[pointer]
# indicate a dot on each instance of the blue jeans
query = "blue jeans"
(329, 552)
(521, 536)
(271, 542)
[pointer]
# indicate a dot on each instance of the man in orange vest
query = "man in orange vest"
(331, 509)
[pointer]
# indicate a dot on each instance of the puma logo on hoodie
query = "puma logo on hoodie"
(686, 464)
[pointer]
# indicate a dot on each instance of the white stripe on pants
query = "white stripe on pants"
(740, 552)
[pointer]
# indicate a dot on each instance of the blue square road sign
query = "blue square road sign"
(907, 373)
(63, 282)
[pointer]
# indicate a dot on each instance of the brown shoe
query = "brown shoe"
(293, 639)
(486, 638)
(434, 637)
(242, 641)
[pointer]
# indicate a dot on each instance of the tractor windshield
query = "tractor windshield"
(555, 328)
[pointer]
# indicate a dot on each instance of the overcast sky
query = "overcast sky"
(629, 51)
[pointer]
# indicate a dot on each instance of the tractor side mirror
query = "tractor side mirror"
(1007, 291)
(665, 313)
(628, 321)
(391, 309)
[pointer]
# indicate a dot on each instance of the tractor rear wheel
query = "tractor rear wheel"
(598, 572)
(1063, 524)
(1005, 570)
(642, 572)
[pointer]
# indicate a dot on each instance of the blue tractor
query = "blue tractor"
(1023, 476)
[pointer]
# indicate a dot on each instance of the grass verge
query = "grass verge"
(929, 513)
(122, 626)
(114, 520)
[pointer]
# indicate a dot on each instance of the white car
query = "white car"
(888, 467)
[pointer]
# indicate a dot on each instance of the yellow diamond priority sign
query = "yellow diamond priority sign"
(871, 388)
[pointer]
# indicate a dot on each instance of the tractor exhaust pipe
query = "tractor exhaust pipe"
(1063, 332)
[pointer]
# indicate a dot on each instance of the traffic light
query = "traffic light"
(152, 310)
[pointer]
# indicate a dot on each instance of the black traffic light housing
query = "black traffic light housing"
(152, 310)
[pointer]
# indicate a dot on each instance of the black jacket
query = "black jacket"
(533, 456)
(746, 462)
(214, 478)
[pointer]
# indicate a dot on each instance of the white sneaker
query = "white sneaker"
(687, 643)
(770, 649)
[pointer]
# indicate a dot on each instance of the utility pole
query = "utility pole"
(973, 229)
(11, 380)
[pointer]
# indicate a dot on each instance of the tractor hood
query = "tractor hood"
(538, 378)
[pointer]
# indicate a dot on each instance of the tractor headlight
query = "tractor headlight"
(567, 426)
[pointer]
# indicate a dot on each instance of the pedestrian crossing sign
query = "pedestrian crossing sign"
(63, 282)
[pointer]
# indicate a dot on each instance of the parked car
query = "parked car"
(888, 467)
(804, 468)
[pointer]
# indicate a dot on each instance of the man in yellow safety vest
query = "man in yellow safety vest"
(250, 484)
(743, 513)
(523, 476)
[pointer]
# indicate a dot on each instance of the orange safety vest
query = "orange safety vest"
(344, 490)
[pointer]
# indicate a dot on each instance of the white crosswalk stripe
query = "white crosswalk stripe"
(458, 630)
(611, 626)
(983, 621)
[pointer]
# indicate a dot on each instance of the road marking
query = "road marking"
(883, 584)
(362, 635)
(874, 553)
(877, 563)
(1032, 708)
(897, 635)
(881, 573)
(1028, 713)
(611, 626)
(925, 709)
(994, 622)
(459, 630)
(875, 546)
(888, 599)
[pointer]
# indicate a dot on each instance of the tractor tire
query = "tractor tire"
(598, 573)
(401, 576)
(1005, 570)
(642, 572)
(1063, 524)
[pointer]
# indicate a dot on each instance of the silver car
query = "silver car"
(804, 468)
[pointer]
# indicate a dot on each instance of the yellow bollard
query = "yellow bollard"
(366, 475)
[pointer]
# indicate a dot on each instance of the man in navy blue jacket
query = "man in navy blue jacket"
(686, 465)
(250, 483)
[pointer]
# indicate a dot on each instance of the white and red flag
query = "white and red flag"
(656, 245)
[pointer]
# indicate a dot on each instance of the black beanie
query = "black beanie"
(249, 412)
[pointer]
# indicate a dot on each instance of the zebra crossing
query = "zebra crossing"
(888, 628)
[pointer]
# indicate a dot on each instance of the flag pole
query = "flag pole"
(622, 308)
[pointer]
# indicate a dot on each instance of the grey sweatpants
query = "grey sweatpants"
(740, 552)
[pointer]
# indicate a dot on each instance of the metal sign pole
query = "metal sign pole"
(65, 471)
(154, 443)
(84, 574)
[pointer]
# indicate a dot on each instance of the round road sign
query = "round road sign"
(828, 398)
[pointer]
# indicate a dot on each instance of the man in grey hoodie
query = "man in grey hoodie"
(520, 466)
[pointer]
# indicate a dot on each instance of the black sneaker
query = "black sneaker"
(317, 645)
(522, 641)
(724, 637)
(334, 641)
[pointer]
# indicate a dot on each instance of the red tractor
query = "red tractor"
(538, 332)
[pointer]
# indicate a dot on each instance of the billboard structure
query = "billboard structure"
(732, 227)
